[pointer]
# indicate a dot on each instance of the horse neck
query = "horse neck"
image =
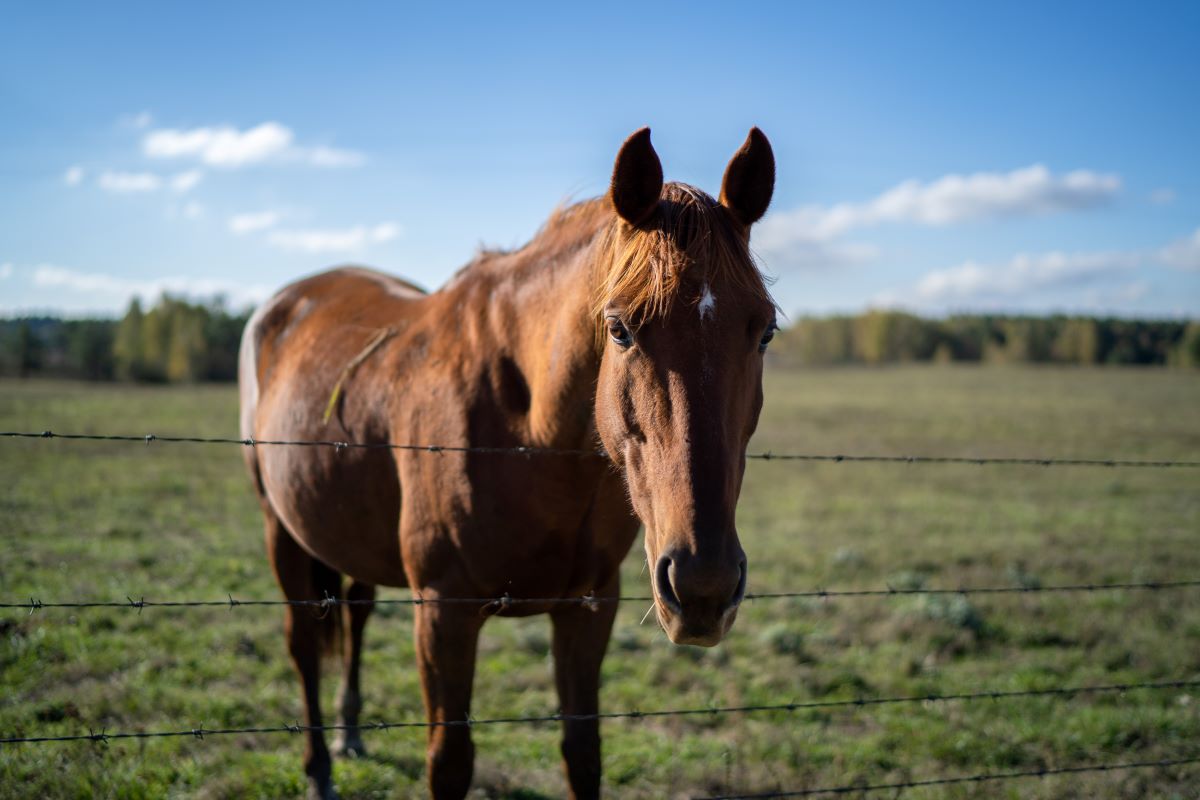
(545, 299)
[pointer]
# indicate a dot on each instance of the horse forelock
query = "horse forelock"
(688, 240)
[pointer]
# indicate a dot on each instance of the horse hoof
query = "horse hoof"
(349, 746)
(316, 791)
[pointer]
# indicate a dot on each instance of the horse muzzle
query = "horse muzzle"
(697, 601)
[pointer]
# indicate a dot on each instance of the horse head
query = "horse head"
(684, 318)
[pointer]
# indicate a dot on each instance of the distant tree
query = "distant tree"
(1077, 342)
(156, 340)
(177, 341)
(1187, 352)
(29, 350)
(223, 334)
(813, 340)
(127, 344)
(888, 336)
(186, 348)
(90, 349)
(965, 337)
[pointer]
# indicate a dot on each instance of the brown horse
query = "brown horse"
(639, 320)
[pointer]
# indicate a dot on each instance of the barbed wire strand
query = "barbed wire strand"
(530, 451)
(982, 777)
(497, 604)
(859, 702)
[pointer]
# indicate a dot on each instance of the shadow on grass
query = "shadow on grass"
(412, 768)
(522, 794)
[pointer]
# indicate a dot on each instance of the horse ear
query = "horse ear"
(637, 178)
(749, 179)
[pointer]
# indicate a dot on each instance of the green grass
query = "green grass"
(110, 520)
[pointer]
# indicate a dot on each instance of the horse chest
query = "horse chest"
(491, 525)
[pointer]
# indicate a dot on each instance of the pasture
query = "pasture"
(110, 520)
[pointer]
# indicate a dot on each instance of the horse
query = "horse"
(632, 326)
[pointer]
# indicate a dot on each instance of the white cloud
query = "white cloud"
(6, 270)
(1183, 253)
(105, 290)
(132, 182)
(127, 182)
(983, 195)
(329, 157)
(1117, 295)
(190, 210)
(1096, 278)
(254, 221)
(223, 146)
(385, 231)
(1163, 197)
(186, 181)
(782, 251)
(138, 121)
(1024, 281)
(229, 147)
(74, 175)
(805, 236)
(958, 198)
(1025, 274)
(334, 240)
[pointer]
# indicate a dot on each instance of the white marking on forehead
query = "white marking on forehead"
(708, 303)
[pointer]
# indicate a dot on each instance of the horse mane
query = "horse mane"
(689, 235)
(643, 266)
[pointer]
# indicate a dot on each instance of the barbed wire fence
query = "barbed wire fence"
(710, 711)
(983, 777)
(523, 450)
(499, 604)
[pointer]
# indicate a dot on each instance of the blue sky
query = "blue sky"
(934, 156)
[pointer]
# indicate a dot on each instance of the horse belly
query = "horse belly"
(342, 507)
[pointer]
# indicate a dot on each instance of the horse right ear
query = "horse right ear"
(637, 179)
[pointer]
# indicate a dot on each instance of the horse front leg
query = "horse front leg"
(447, 636)
(580, 639)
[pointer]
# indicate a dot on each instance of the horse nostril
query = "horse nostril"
(662, 584)
(740, 592)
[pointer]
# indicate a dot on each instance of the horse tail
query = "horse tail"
(328, 584)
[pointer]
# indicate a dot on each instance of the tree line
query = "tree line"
(174, 341)
(886, 337)
(179, 342)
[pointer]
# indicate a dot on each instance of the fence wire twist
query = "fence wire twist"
(201, 732)
(982, 777)
(150, 438)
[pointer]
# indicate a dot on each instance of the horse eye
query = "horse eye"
(766, 338)
(619, 333)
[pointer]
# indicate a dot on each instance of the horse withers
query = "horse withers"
(635, 321)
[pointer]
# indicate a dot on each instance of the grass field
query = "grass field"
(103, 520)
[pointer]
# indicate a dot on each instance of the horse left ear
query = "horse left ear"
(749, 179)
(637, 179)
